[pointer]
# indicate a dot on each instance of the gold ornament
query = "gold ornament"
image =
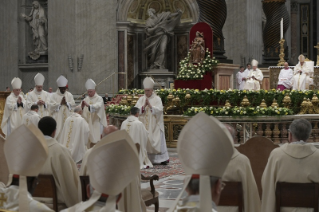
(245, 102)
(263, 104)
(227, 104)
(287, 101)
(274, 103)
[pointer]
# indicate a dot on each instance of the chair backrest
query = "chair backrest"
(85, 180)
(232, 195)
(46, 188)
(257, 149)
(299, 195)
(4, 173)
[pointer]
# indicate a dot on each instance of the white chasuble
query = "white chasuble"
(75, 136)
(9, 200)
(301, 81)
(139, 134)
(292, 163)
(34, 96)
(240, 82)
(31, 117)
(60, 112)
(239, 170)
(285, 77)
(95, 116)
(252, 84)
(12, 116)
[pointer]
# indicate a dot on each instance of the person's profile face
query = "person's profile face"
(62, 89)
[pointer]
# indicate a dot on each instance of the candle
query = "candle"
(281, 28)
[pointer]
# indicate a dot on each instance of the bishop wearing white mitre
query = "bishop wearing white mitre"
(302, 75)
(254, 77)
(151, 116)
(39, 97)
(14, 108)
(93, 111)
(61, 103)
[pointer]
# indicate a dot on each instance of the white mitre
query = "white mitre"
(254, 62)
(90, 84)
(301, 58)
(61, 81)
(26, 151)
(112, 165)
(148, 83)
(16, 83)
(205, 148)
(39, 79)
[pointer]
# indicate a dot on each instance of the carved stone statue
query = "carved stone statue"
(197, 49)
(158, 29)
(39, 24)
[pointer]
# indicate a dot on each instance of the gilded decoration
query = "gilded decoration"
(137, 12)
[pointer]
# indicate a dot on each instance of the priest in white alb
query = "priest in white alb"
(39, 97)
(75, 134)
(285, 77)
(61, 103)
(14, 109)
(302, 75)
(254, 77)
(32, 116)
(93, 111)
(151, 116)
(139, 135)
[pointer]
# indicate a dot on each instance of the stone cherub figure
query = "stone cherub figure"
(159, 28)
(39, 24)
(197, 51)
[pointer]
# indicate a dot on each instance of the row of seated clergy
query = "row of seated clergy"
(253, 78)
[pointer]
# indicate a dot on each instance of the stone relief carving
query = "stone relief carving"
(159, 28)
(39, 24)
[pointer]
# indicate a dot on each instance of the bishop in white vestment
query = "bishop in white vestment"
(285, 77)
(39, 97)
(61, 103)
(139, 134)
(75, 134)
(254, 77)
(14, 108)
(93, 111)
(241, 78)
(32, 117)
(151, 116)
(302, 73)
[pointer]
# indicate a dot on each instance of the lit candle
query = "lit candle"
(281, 28)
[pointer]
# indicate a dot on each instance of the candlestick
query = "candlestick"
(281, 28)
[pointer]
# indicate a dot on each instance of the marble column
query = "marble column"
(121, 60)
(294, 35)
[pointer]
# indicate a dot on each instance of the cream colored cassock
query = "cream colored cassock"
(294, 163)
(12, 116)
(31, 117)
(75, 136)
(139, 134)
(11, 200)
(154, 124)
(61, 165)
(239, 170)
(34, 96)
(95, 117)
(60, 112)
(252, 84)
(300, 81)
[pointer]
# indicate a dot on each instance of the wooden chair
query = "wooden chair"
(150, 196)
(46, 188)
(4, 173)
(232, 195)
(299, 195)
(257, 149)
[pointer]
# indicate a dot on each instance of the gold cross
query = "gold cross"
(2, 199)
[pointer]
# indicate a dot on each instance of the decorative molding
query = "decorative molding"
(70, 62)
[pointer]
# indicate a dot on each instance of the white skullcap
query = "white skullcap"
(61, 81)
(39, 79)
(90, 84)
(16, 83)
(254, 62)
(301, 58)
(148, 83)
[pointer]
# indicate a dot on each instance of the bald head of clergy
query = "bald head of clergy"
(148, 84)
(78, 110)
(90, 87)
(47, 125)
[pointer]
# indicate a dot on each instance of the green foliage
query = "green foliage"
(118, 109)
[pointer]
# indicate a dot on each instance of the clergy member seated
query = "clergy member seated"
(241, 78)
(302, 75)
(61, 165)
(239, 170)
(293, 162)
(32, 116)
(285, 77)
(254, 77)
(75, 134)
(139, 134)
(24, 164)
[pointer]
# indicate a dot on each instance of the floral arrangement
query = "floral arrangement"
(131, 91)
(118, 109)
(189, 71)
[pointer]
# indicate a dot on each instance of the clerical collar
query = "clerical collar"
(298, 142)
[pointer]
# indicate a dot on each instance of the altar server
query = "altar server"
(254, 77)
(31, 117)
(151, 116)
(294, 162)
(93, 111)
(285, 77)
(25, 156)
(14, 108)
(139, 134)
(241, 78)
(39, 97)
(302, 75)
(204, 148)
(61, 103)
